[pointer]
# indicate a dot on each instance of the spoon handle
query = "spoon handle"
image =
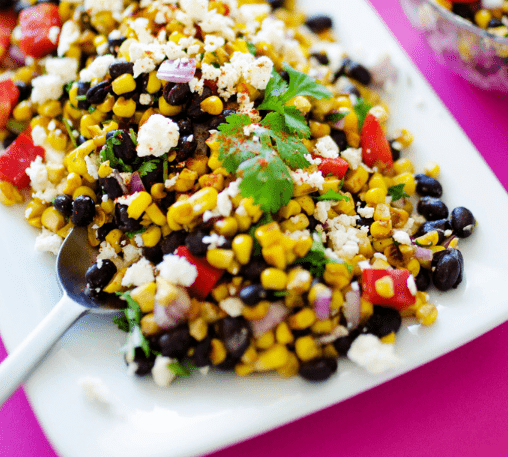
(19, 364)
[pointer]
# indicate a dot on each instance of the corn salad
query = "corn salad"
(235, 172)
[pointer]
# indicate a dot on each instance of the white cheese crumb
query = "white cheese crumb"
(157, 136)
(326, 147)
(214, 240)
(370, 353)
(352, 156)
(138, 273)
(46, 87)
(68, 35)
(366, 211)
(53, 34)
(96, 390)
(95, 6)
(97, 69)
(232, 305)
(177, 270)
(48, 241)
(411, 285)
(161, 373)
(402, 237)
(213, 42)
(145, 99)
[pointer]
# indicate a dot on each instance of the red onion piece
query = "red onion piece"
(423, 253)
(136, 184)
(339, 125)
(16, 54)
(352, 307)
(170, 316)
(276, 314)
(446, 244)
(177, 71)
(322, 304)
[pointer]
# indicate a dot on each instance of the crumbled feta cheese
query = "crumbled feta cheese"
(46, 87)
(326, 147)
(97, 69)
(232, 305)
(214, 22)
(53, 34)
(145, 99)
(411, 285)
(138, 273)
(131, 253)
(352, 156)
(314, 179)
(402, 237)
(366, 211)
(68, 35)
(214, 240)
(93, 7)
(259, 72)
(177, 270)
(157, 136)
(96, 390)
(213, 42)
(48, 241)
(321, 210)
(224, 205)
(370, 353)
(91, 167)
(161, 373)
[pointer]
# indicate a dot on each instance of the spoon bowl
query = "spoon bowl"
(73, 260)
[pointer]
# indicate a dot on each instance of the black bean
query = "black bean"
(494, 22)
(150, 178)
(228, 363)
(319, 369)
(447, 269)
(276, 3)
(432, 208)
(194, 243)
(111, 187)
(186, 147)
(63, 204)
(423, 280)
(319, 23)
(24, 90)
(441, 225)
(253, 294)
(153, 253)
(80, 140)
(185, 126)
(125, 149)
(83, 210)
(178, 94)
(103, 230)
(83, 88)
(343, 343)
(100, 273)
(221, 118)
(121, 68)
(427, 186)
(321, 57)
(254, 268)
(202, 353)
(97, 94)
(170, 243)
(114, 44)
(144, 363)
(123, 221)
(395, 147)
(168, 200)
(235, 333)
(20, 6)
(9, 140)
(339, 136)
(462, 222)
(463, 10)
(364, 221)
(175, 342)
(350, 89)
(354, 71)
(383, 321)
(6, 4)
(194, 110)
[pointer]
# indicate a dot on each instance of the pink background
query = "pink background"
(454, 406)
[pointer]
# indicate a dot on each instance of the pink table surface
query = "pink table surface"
(456, 405)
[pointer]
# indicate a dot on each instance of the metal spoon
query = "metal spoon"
(74, 258)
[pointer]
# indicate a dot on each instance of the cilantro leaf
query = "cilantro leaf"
(135, 232)
(295, 122)
(132, 134)
(133, 316)
(330, 194)
(178, 369)
(337, 116)
(251, 47)
(316, 258)
(147, 167)
(397, 192)
(361, 109)
(302, 84)
(267, 179)
(107, 153)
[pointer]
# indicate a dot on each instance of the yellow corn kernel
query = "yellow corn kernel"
(151, 236)
(380, 230)
(404, 137)
(426, 314)
(123, 84)
(252, 313)
(64, 231)
(212, 105)
(273, 279)
(337, 274)
(384, 287)
(85, 122)
(388, 339)
(186, 180)
(382, 213)
(218, 351)
(408, 180)
(323, 326)
(198, 329)
(139, 204)
(113, 238)
(482, 18)
(242, 248)
(290, 368)
(302, 319)
(204, 199)
(244, 222)
(115, 285)
(226, 227)
(283, 334)
(275, 255)
(403, 165)
(51, 109)
(268, 234)
(354, 180)
(180, 212)
(253, 210)
(272, 358)
(299, 280)
(52, 219)
(375, 196)
(302, 246)
(377, 180)
(301, 103)
(167, 109)
(291, 209)
(432, 169)
(266, 340)
(156, 215)
(154, 84)
(306, 348)
(9, 194)
(337, 299)
(84, 190)
(145, 296)
(243, 369)
(124, 107)
(148, 325)
(295, 223)
(22, 112)
(219, 258)
(318, 129)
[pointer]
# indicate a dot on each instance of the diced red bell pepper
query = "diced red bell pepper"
(35, 23)
(17, 158)
(8, 21)
(403, 293)
(336, 166)
(207, 275)
(9, 95)
(375, 147)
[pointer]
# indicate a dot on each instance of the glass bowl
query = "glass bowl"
(469, 51)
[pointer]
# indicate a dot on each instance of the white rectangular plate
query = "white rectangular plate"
(200, 414)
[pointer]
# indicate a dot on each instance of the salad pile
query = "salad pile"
(233, 168)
